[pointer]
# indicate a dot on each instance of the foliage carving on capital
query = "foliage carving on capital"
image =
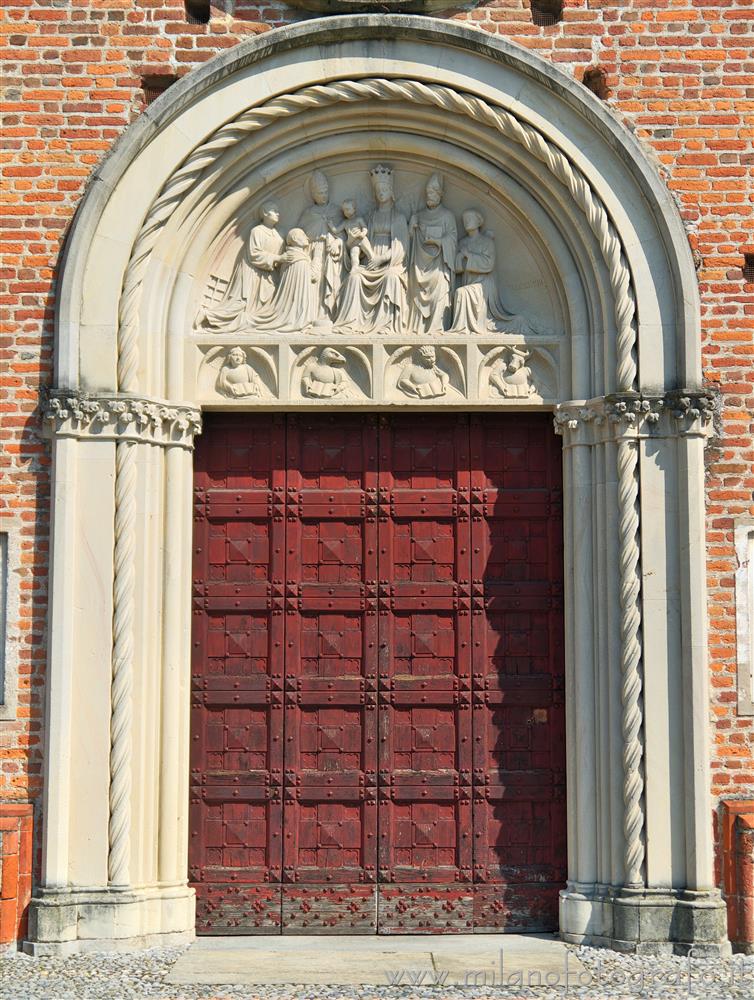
(570, 417)
(632, 411)
(689, 407)
(633, 415)
(115, 417)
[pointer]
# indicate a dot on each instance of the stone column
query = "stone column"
(176, 660)
(100, 887)
(662, 896)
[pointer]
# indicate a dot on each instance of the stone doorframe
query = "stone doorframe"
(628, 401)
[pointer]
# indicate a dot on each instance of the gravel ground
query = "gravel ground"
(108, 976)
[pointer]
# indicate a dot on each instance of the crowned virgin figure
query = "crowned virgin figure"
(373, 298)
(434, 238)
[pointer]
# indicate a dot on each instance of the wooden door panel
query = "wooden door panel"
(330, 807)
(425, 675)
(519, 740)
(407, 908)
(235, 847)
(325, 909)
(377, 675)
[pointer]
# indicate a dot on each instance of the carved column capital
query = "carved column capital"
(621, 416)
(579, 422)
(692, 411)
(118, 417)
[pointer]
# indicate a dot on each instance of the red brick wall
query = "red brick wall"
(680, 74)
(16, 834)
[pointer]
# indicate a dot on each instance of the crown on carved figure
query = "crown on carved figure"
(381, 171)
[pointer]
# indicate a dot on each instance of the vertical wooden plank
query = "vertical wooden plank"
(425, 676)
(519, 793)
(331, 676)
(236, 786)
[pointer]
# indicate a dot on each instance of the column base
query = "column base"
(78, 920)
(645, 921)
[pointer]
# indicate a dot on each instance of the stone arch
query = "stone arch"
(609, 246)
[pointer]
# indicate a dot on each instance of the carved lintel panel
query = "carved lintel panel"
(426, 372)
(246, 373)
(518, 371)
(392, 371)
(332, 374)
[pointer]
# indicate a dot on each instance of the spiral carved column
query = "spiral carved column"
(632, 720)
(121, 708)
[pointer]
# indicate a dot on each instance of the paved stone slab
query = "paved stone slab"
(413, 960)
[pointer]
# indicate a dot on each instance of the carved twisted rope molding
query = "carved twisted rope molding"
(538, 146)
(631, 694)
(121, 701)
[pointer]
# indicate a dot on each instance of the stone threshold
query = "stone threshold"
(516, 960)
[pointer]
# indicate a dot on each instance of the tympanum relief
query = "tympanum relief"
(384, 269)
(357, 272)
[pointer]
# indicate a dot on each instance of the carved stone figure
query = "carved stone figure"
(293, 306)
(324, 376)
(434, 239)
(477, 306)
(326, 250)
(373, 299)
(237, 378)
(511, 376)
(356, 234)
(252, 283)
(421, 376)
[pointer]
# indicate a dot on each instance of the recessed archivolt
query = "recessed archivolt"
(204, 156)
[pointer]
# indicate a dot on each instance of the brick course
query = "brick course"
(679, 73)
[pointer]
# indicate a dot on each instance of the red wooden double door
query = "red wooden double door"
(377, 693)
